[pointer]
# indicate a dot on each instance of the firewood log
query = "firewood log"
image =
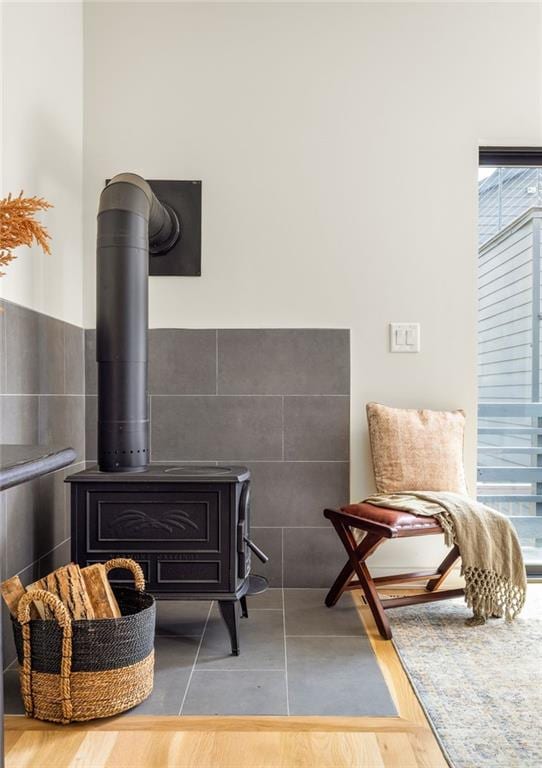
(68, 585)
(100, 593)
(12, 591)
(86, 593)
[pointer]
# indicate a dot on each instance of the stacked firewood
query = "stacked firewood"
(85, 592)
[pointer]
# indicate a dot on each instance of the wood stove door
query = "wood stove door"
(180, 535)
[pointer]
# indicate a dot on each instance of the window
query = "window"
(509, 314)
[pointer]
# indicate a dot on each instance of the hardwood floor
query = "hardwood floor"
(239, 742)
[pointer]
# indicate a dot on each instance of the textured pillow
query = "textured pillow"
(416, 450)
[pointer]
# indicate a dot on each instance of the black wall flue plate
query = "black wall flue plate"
(185, 256)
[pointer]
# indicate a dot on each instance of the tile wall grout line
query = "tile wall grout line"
(284, 630)
(84, 367)
(66, 493)
(150, 427)
(255, 461)
(37, 560)
(238, 394)
(39, 419)
(282, 427)
(44, 394)
(5, 546)
(5, 343)
(281, 559)
(63, 359)
(216, 361)
(196, 658)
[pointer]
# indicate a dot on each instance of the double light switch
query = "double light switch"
(404, 337)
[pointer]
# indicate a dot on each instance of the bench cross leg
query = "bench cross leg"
(357, 554)
(375, 535)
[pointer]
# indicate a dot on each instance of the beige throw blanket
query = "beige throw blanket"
(491, 558)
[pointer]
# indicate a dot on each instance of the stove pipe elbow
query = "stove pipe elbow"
(131, 223)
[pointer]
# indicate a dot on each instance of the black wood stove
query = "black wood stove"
(187, 526)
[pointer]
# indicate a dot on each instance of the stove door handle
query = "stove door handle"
(257, 551)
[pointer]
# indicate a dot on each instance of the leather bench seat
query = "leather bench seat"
(399, 523)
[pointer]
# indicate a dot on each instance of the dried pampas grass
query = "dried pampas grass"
(19, 227)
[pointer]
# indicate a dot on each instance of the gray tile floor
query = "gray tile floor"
(297, 658)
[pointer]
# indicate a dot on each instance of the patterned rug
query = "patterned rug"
(481, 686)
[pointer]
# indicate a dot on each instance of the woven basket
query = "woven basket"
(80, 670)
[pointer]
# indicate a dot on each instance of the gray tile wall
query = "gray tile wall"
(41, 401)
(276, 400)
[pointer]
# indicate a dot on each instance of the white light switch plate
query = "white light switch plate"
(404, 337)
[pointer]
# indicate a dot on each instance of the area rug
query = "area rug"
(481, 687)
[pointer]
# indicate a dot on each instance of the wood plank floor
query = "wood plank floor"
(239, 742)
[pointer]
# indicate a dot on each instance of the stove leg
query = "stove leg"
(244, 609)
(230, 614)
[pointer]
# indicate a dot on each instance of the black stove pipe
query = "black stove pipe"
(131, 222)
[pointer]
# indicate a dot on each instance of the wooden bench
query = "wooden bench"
(380, 524)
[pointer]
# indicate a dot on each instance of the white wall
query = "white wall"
(337, 145)
(42, 144)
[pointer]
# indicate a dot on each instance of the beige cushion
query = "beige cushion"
(416, 450)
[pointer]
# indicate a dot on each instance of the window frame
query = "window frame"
(513, 157)
(510, 156)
